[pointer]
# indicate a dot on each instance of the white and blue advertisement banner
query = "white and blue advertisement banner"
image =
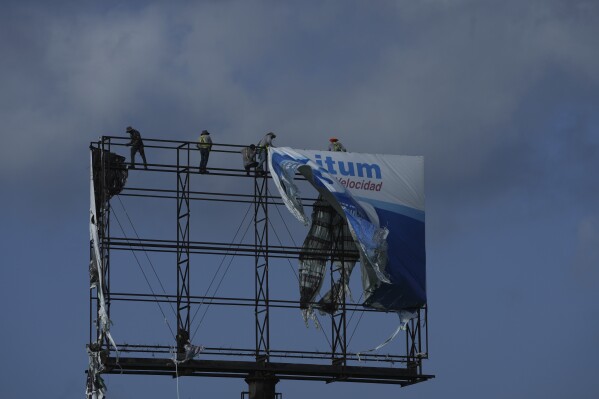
(382, 199)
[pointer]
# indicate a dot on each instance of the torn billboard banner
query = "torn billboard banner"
(381, 197)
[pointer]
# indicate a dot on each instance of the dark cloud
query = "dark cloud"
(500, 97)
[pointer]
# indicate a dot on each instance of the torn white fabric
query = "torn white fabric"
(103, 320)
(191, 351)
(369, 237)
(381, 198)
(404, 317)
(96, 388)
(290, 193)
(308, 314)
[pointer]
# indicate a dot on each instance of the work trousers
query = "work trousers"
(134, 150)
(204, 153)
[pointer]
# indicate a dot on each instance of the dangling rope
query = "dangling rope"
(177, 377)
(191, 351)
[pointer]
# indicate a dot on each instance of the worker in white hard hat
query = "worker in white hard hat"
(204, 145)
(261, 150)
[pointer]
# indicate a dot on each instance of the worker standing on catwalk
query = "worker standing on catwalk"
(204, 145)
(137, 145)
(262, 150)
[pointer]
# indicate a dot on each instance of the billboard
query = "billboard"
(381, 197)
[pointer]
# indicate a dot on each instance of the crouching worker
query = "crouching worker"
(249, 158)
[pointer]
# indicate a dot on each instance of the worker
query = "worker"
(335, 145)
(249, 158)
(262, 149)
(137, 145)
(204, 145)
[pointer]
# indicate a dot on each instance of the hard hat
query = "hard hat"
(333, 139)
(205, 132)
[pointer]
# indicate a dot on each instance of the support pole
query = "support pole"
(262, 386)
(414, 341)
(261, 304)
(338, 316)
(183, 294)
(103, 224)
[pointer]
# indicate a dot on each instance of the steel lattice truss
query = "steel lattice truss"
(260, 361)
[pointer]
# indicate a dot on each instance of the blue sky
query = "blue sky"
(499, 96)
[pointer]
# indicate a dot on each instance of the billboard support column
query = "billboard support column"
(338, 314)
(183, 213)
(261, 304)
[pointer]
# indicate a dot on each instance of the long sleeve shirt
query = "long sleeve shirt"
(135, 138)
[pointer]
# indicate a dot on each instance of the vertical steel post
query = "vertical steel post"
(261, 304)
(261, 385)
(103, 223)
(414, 341)
(338, 314)
(183, 213)
(106, 205)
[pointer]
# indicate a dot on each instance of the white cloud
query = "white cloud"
(445, 79)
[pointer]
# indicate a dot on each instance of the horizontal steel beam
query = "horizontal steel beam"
(217, 248)
(290, 371)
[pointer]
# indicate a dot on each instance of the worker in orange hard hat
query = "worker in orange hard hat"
(336, 145)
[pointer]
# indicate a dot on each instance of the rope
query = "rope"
(145, 277)
(357, 323)
(177, 377)
(219, 284)
(281, 244)
(216, 274)
(146, 253)
(221, 263)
